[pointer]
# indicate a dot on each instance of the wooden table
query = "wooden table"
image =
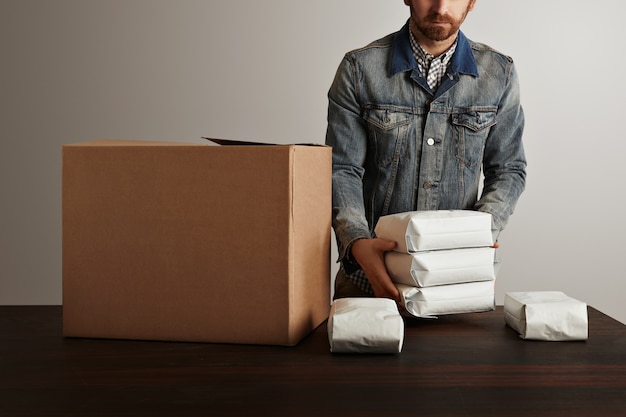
(462, 365)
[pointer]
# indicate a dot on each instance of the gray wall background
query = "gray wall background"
(75, 70)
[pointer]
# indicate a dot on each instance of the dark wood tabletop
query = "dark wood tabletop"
(460, 365)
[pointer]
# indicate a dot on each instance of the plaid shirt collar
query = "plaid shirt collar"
(432, 68)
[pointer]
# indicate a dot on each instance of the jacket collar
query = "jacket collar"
(402, 58)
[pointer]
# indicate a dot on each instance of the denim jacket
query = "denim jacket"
(398, 146)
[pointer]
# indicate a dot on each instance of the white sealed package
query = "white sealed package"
(365, 325)
(436, 229)
(546, 315)
(430, 302)
(441, 267)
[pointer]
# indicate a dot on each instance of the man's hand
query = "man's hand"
(370, 254)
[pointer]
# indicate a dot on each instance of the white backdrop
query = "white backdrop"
(75, 70)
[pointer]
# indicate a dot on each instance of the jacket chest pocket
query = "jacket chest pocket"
(470, 133)
(388, 132)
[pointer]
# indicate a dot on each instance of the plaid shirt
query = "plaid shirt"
(360, 280)
(432, 68)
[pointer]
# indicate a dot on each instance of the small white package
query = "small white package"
(365, 325)
(441, 267)
(546, 315)
(436, 229)
(430, 302)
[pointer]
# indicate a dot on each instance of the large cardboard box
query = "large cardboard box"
(192, 242)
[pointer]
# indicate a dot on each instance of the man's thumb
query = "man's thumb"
(389, 245)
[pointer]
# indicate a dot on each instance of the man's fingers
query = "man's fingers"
(384, 287)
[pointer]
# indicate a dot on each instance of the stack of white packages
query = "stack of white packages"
(443, 262)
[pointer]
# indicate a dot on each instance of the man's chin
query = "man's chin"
(439, 35)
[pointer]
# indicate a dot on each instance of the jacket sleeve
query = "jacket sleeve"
(504, 161)
(347, 135)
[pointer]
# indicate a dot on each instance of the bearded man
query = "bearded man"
(416, 120)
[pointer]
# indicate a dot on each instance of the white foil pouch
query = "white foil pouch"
(441, 267)
(546, 315)
(430, 302)
(365, 325)
(436, 229)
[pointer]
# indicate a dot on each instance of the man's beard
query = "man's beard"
(439, 33)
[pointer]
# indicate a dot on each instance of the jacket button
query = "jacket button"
(430, 141)
(427, 185)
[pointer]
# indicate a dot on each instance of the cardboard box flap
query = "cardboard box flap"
(229, 142)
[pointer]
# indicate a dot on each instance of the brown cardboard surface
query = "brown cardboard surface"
(174, 241)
